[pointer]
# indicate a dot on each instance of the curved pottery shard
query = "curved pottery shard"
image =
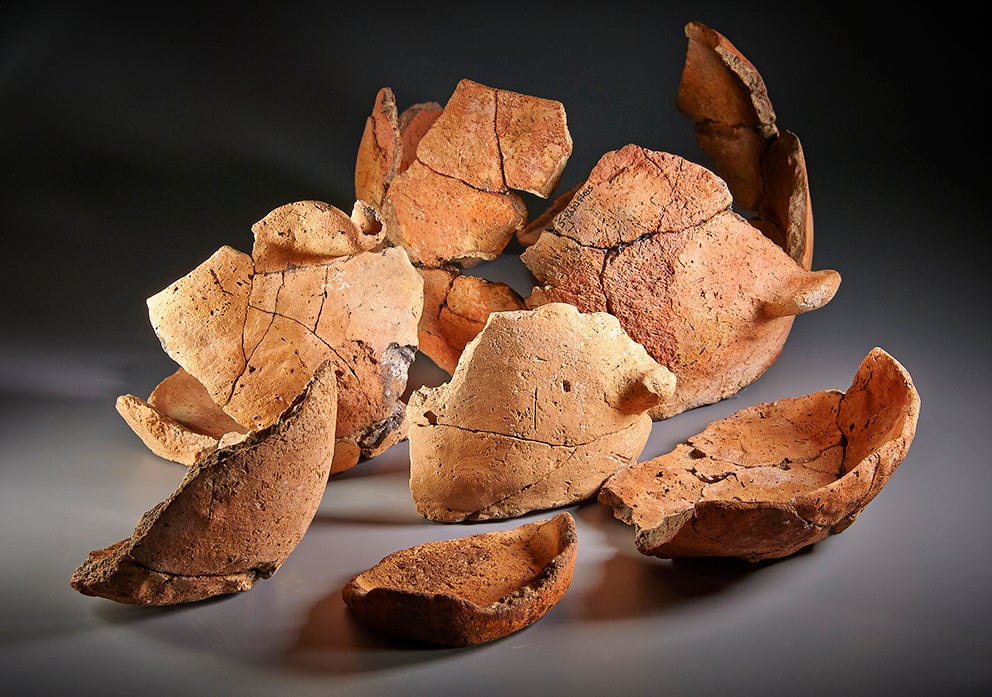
(179, 421)
(775, 477)
(543, 405)
(234, 519)
(725, 96)
(651, 238)
(475, 154)
(456, 307)
(469, 590)
(303, 233)
(252, 337)
(389, 144)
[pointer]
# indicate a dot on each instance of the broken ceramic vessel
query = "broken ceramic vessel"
(776, 477)
(469, 590)
(475, 154)
(542, 406)
(251, 338)
(235, 518)
(652, 239)
(763, 165)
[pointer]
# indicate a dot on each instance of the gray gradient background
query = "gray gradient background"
(135, 142)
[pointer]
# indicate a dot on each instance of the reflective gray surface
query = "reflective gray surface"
(135, 145)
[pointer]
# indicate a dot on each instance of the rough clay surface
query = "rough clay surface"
(254, 338)
(725, 96)
(468, 590)
(179, 421)
(471, 154)
(543, 405)
(456, 307)
(651, 238)
(776, 477)
(304, 233)
(235, 518)
(474, 154)
(764, 166)
(379, 152)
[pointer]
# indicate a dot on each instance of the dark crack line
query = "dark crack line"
(259, 573)
(532, 440)
(610, 456)
(213, 499)
(529, 486)
(621, 244)
(781, 464)
(502, 192)
(265, 335)
(706, 481)
(499, 143)
(535, 409)
(323, 301)
(219, 284)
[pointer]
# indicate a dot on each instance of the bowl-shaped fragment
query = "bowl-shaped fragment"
(235, 518)
(468, 590)
(776, 477)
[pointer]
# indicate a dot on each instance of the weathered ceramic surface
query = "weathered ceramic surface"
(179, 421)
(542, 406)
(235, 518)
(776, 477)
(473, 155)
(443, 180)
(468, 590)
(764, 166)
(652, 239)
(456, 307)
(251, 339)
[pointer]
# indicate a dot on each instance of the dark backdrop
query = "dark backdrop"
(135, 139)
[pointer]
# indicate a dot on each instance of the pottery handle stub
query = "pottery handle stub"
(650, 388)
(809, 290)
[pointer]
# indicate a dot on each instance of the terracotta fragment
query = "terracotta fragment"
(379, 151)
(468, 590)
(543, 405)
(534, 142)
(725, 96)
(785, 213)
(415, 121)
(234, 519)
(652, 238)
(389, 144)
(254, 338)
(776, 477)
(496, 140)
(179, 421)
(456, 307)
(482, 147)
(469, 154)
(304, 233)
(532, 231)
(471, 225)
(463, 142)
(201, 317)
